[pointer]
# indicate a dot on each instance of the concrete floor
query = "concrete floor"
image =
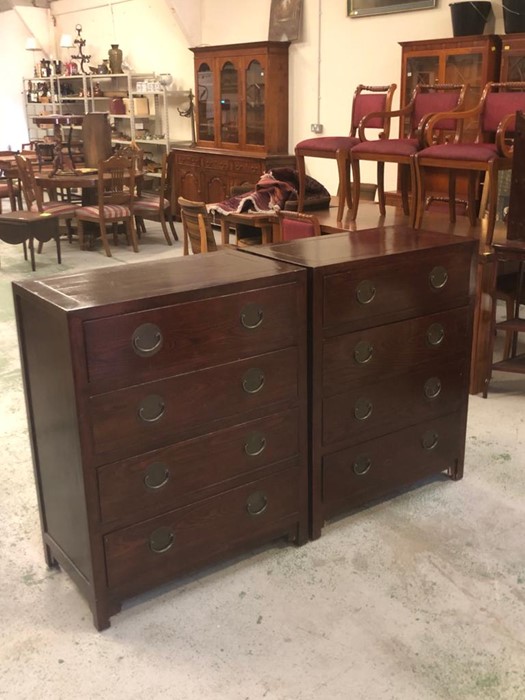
(421, 597)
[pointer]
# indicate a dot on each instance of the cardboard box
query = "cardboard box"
(140, 106)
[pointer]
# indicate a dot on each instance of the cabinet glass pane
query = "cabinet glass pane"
(205, 103)
(420, 70)
(466, 69)
(516, 69)
(255, 105)
(229, 102)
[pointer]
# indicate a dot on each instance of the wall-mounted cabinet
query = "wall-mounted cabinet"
(242, 96)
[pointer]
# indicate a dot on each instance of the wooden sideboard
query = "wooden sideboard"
(390, 331)
(168, 424)
(208, 175)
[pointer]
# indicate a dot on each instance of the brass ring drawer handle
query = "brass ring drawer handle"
(161, 540)
(438, 277)
(435, 334)
(252, 316)
(363, 408)
(365, 292)
(157, 476)
(363, 352)
(429, 440)
(151, 409)
(432, 387)
(362, 465)
(146, 340)
(257, 503)
(255, 444)
(253, 381)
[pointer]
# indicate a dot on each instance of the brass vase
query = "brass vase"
(115, 59)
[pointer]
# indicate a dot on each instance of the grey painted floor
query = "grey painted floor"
(421, 597)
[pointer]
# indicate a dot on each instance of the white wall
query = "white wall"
(352, 51)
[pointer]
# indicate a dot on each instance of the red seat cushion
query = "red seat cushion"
(111, 211)
(480, 152)
(328, 143)
(390, 147)
(57, 208)
(150, 204)
(291, 229)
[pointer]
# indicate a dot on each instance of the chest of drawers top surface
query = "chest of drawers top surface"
(142, 284)
(357, 247)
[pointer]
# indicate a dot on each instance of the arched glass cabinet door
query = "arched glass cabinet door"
(229, 103)
(205, 106)
(255, 103)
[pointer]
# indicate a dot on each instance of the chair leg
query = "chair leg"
(492, 204)
(405, 188)
(80, 233)
(356, 185)
(344, 183)
(132, 233)
(24, 248)
(471, 197)
(40, 247)
(301, 172)
(172, 226)
(509, 306)
(59, 253)
(165, 228)
(104, 237)
(69, 231)
(32, 253)
(419, 205)
(381, 187)
(414, 192)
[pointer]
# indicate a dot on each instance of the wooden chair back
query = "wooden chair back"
(31, 191)
(372, 98)
(116, 182)
(295, 225)
(196, 226)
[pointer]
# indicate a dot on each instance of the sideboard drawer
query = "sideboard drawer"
(132, 420)
(180, 540)
(371, 469)
(367, 410)
(367, 296)
(196, 468)
(396, 348)
(137, 347)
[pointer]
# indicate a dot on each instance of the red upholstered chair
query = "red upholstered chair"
(425, 100)
(490, 153)
(294, 225)
(366, 99)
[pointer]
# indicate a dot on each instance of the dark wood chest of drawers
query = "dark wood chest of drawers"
(167, 414)
(390, 323)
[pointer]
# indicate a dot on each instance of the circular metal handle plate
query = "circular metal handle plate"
(429, 440)
(435, 334)
(363, 352)
(157, 476)
(252, 316)
(257, 503)
(255, 444)
(361, 465)
(253, 380)
(432, 387)
(146, 340)
(151, 408)
(363, 408)
(365, 292)
(438, 277)
(161, 540)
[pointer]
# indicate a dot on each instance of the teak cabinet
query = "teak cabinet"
(512, 58)
(168, 424)
(242, 96)
(241, 115)
(390, 329)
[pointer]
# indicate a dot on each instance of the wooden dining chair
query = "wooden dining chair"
(294, 225)
(425, 100)
(367, 98)
(156, 206)
(10, 187)
(115, 195)
(34, 199)
(196, 227)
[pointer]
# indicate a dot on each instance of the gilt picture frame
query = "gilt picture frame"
(285, 20)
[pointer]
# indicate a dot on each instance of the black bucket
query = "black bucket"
(514, 16)
(469, 17)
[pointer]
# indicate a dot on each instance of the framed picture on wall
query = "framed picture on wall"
(285, 20)
(364, 8)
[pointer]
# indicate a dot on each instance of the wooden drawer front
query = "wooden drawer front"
(390, 462)
(247, 167)
(396, 348)
(133, 420)
(193, 469)
(196, 534)
(182, 159)
(369, 410)
(369, 296)
(215, 163)
(149, 344)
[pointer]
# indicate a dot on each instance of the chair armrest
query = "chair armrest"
(460, 118)
(504, 149)
(386, 116)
